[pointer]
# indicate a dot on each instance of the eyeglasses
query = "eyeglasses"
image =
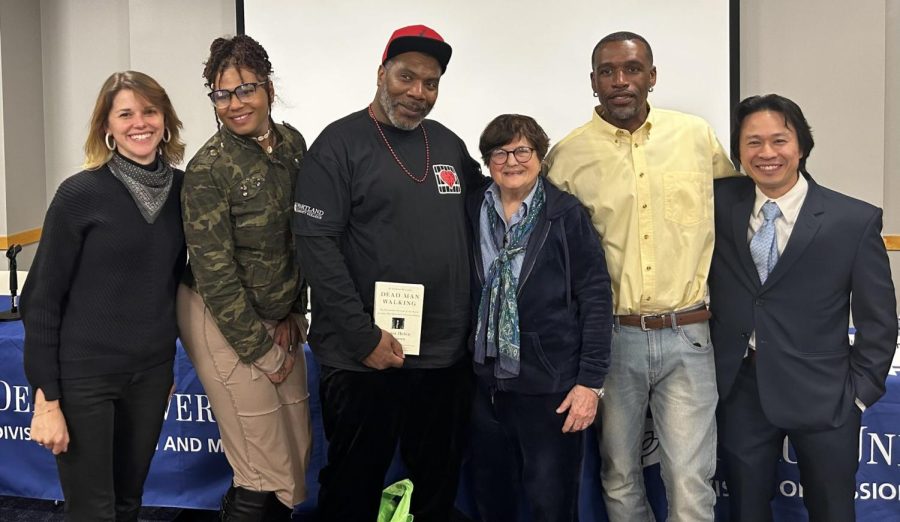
(522, 154)
(221, 98)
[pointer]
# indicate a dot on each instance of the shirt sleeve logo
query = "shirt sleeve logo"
(447, 180)
(314, 213)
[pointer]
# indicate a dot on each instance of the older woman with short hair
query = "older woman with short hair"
(542, 333)
(99, 305)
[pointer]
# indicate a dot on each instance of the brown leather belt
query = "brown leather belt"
(669, 320)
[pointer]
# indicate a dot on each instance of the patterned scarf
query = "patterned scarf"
(498, 311)
(148, 188)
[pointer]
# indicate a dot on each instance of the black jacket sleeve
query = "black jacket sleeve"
(335, 295)
(873, 306)
(591, 288)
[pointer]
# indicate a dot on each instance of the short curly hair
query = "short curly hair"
(508, 127)
(240, 51)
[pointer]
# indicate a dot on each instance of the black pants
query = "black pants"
(750, 445)
(523, 466)
(114, 423)
(366, 415)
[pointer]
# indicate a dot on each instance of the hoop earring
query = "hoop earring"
(650, 89)
(596, 95)
(167, 135)
(109, 146)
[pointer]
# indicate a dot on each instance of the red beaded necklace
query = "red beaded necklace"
(397, 158)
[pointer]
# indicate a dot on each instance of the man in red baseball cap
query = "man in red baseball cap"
(379, 197)
(418, 38)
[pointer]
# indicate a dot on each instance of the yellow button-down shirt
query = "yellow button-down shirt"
(650, 196)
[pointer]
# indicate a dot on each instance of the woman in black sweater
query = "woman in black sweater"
(99, 303)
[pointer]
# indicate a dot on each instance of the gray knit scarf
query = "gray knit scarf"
(149, 188)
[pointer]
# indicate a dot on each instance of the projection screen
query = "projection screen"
(529, 57)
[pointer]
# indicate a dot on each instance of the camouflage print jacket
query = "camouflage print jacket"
(237, 203)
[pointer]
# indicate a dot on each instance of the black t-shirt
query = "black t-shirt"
(387, 227)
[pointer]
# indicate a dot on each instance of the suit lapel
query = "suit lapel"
(808, 222)
(740, 222)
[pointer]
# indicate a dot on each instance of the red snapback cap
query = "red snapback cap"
(418, 38)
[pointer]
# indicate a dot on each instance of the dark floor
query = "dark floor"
(13, 509)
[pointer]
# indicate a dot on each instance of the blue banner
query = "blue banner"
(190, 469)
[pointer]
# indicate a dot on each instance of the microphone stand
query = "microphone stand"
(13, 313)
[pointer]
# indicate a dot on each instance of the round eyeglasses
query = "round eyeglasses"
(221, 98)
(522, 155)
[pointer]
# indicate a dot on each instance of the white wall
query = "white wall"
(83, 43)
(23, 113)
(530, 57)
(86, 41)
(71, 48)
(892, 120)
(892, 131)
(829, 57)
(22, 180)
(840, 61)
(174, 53)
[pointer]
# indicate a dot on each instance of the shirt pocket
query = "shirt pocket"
(686, 197)
(251, 211)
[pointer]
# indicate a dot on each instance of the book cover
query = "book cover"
(398, 309)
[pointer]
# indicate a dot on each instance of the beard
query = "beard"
(389, 105)
(621, 113)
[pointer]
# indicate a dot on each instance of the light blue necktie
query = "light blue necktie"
(764, 245)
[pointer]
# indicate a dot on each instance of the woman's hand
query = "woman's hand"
(279, 375)
(581, 403)
(48, 425)
(287, 334)
(287, 337)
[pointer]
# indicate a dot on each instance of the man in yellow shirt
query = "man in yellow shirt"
(645, 175)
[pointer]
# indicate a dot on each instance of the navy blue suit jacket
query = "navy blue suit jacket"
(835, 262)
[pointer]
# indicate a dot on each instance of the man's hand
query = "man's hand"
(387, 353)
(48, 425)
(581, 403)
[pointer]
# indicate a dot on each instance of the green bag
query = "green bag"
(395, 502)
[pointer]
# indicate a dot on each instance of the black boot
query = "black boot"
(276, 511)
(243, 505)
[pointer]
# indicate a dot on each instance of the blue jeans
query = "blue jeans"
(673, 370)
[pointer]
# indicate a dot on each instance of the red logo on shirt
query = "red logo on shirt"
(447, 180)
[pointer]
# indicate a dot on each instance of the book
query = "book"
(398, 310)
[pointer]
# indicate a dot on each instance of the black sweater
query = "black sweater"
(100, 295)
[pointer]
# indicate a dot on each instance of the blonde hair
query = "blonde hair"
(96, 153)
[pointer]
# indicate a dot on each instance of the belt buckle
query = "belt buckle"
(644, 324)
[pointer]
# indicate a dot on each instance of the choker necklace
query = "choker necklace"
(397, 158)
(263, 138)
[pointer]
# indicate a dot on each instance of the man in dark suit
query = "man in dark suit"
(792, 259)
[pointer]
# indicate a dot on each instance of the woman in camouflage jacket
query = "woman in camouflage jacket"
(241, 314)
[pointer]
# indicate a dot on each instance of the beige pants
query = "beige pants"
(265, 427)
